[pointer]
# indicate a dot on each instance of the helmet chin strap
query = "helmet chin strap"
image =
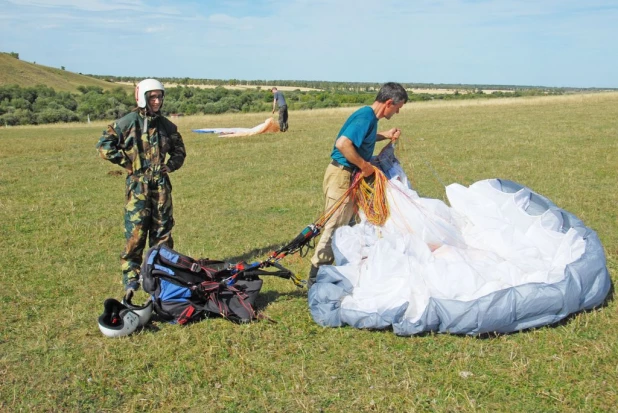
(148, 112)
(145, 131)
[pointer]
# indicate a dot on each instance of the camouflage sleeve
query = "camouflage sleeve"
(177, 152)
(109, 147)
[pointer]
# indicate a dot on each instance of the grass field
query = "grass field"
(61, 226)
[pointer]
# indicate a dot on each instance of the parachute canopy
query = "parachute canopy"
(269, 125)
(501, 258)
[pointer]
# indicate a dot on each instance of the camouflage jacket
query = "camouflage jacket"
(125, 144)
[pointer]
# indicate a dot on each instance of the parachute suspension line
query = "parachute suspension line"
(433, 171)
(394, 205)
(303, 239)
(368, 194)
(435, 229)
(321, 221)
(450, 169)
(370, 197)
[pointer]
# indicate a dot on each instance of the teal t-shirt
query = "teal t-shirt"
(362, 129)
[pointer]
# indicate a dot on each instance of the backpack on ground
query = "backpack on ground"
(185, 289)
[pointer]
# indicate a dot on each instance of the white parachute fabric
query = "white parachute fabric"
(501, 258)
(268, 126)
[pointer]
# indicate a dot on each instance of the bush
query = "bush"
(21, 103)
(18, 117)
(56, 115)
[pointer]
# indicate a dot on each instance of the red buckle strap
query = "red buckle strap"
(186, 315)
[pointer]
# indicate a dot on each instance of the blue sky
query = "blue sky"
(569, 43)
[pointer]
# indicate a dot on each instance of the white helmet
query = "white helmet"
(144, 312)
(145, 86)
(117, 320)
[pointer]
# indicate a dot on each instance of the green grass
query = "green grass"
(61, 236)
(25, 74)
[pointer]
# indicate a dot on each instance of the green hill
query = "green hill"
(17, 72)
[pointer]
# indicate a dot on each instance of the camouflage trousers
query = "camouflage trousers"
(148, 213)
(283, 118)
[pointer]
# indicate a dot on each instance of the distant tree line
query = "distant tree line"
(41, 104)
(335, 85)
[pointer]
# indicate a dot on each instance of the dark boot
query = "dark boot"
(313, 274)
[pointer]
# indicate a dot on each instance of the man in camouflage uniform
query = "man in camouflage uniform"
(140, 142)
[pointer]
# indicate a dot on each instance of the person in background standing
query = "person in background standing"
(283, 109)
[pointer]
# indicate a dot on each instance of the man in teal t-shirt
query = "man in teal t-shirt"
(352, 151)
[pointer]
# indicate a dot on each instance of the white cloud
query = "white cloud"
(84, 5)
(96, 6)
(154, 29)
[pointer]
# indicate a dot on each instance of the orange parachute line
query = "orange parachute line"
(368, 197)
(326, 215)
(371, 198)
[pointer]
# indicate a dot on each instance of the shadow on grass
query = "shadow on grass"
(265, 299)
(263, 251)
